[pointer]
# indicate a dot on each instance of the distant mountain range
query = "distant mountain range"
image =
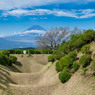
(22, 39)
(5, 44)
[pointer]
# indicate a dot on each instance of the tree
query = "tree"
(89, 35)
(52, 38)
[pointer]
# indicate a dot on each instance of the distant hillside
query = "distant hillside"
(27, 48)
(5, 44)
(26, 38)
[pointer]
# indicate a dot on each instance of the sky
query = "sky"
(18, 15)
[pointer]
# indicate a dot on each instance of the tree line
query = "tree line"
(31, 51)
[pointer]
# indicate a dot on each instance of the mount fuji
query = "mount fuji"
(26, 38)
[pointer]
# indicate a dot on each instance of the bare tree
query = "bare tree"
(52, 38)
(76, 30)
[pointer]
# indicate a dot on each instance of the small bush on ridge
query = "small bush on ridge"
(6, 59)
(46, 52)
(84, 71)
(72, 55)
(5, 52)
(86, 49)
(64, 76)
(58, 54)
(51, 58)
(65, 62)
(89, 35)
(58, 66)
(93, 66)
(85, 60)
(13, 59)
(76, 66)
(22, 55)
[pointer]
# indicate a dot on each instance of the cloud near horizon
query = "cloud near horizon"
(78, 14)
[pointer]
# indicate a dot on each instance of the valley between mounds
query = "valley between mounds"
(35, 76)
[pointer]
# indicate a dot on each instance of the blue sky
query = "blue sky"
(18, 15)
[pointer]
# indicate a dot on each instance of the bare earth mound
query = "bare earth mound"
(35, 76)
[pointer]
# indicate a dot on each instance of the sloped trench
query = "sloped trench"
(34, 76)
(23, 79)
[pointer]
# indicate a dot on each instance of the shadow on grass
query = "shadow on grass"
(4, 71)
(18, 64)
(15, 69)
(5, 79)
(5, 75)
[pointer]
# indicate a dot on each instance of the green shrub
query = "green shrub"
(72, 55)
(92, 66)
(84, 71)
(76, 66)
(65, 62)
(13, 59)
(58, 66)
(31, 51)
(37, 52)
(18, 51)
(11, 51)
(46, 52)
(77, 40)
(66, 48)
(2, 59)
(79, 43)
(85, 60)
(64, 76)
(29, 54)
(5, 52)
(94, 56)
(58, 54)
(86, 49)
(89, 35)
(51, 58)
(22, 55)
(6, 59)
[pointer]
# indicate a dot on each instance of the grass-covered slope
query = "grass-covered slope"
(68, 57)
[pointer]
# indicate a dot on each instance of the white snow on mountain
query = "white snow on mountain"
(30, 31)
(28, 37)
